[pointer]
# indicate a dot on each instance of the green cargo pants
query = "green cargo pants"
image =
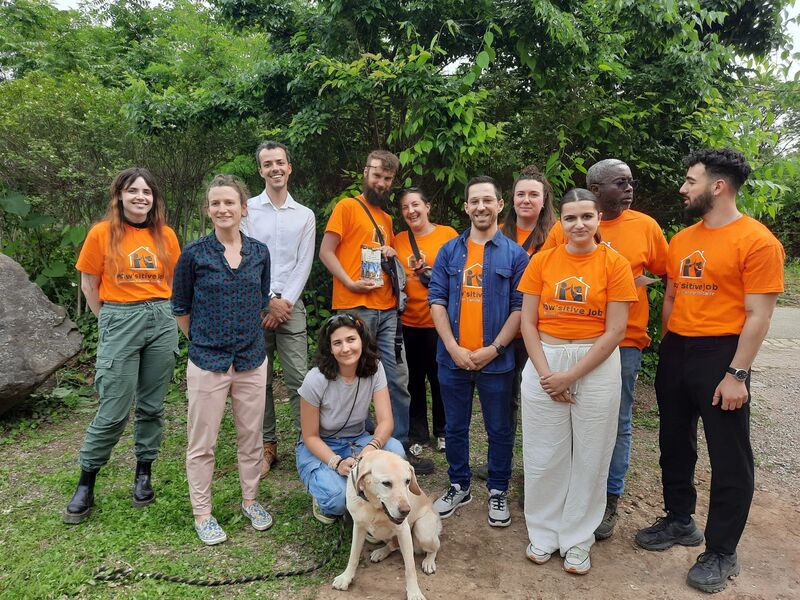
(135, 359)
(290, 340)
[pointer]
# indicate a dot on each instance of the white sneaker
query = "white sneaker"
(440, 444)
(577, 561)
(415, 450)
(537, 555)
(499, 515)
(451, 500)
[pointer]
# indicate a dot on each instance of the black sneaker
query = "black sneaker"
(712, 570)
(668, 531)
(606, 528)
(422, 466)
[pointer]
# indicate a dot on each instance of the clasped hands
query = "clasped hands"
(473, 360)
(280, 311)
(557, 386)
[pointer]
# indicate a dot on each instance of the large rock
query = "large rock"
(36, 337)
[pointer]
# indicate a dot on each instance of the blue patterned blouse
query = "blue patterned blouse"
(225, 304)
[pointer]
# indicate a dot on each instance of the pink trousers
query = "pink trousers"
(208, 392)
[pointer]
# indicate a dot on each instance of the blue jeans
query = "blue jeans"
(495, 391)
(325, 484)
(631, 359)
(383, 325)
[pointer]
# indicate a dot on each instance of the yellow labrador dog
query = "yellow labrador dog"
(384, 499)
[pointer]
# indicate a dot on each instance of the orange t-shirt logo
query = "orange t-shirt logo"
(572, 289)
(473, 277)
(692, 266)
(412, 261)
(143, 259)
(375, 239)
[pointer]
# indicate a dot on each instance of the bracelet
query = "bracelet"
(338, 462)
(375, 443)
(335, 458)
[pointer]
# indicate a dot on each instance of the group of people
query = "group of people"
(546, 318)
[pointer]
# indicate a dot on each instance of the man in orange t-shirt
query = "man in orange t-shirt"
(475, 308)
(348, 232)
(724, 277)
(637, 237)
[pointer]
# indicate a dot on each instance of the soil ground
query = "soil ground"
(478, 562)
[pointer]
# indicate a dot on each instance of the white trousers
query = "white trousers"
(567, 448)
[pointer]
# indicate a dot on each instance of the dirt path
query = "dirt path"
(478, 562)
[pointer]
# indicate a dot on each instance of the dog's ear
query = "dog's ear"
(364, 469)
(414, 486)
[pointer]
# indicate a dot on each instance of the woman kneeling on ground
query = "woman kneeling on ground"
(335, 399)
(126, 266)
(574, 313)
(221, 287)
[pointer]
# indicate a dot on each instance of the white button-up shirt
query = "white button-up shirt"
(289, 233)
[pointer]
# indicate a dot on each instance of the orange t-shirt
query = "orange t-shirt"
(141, 272)
(470, 330)
(574, 289)
(522, 235)
(711, 270)
(418, 313)
(355, 230)
(638, 238)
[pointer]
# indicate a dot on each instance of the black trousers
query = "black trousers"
(689, 370)
(420, 344)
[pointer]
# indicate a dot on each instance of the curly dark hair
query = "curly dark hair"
(727, 163)
(326, 362)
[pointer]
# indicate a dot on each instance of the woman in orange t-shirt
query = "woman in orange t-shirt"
(419, 335)
(532, 215)
(574, 313)
(126, 266)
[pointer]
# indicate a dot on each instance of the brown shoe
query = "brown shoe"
(270, 457)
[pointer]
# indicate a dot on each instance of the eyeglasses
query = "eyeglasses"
(623, 183)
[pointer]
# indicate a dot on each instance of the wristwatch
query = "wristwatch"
(499, 347)
(740, 374)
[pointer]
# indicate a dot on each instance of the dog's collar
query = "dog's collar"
(354, 476)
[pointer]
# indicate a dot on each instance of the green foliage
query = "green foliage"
(45, 249)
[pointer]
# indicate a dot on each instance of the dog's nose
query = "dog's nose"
(404, 512)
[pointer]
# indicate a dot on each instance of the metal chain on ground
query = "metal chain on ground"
(107, 574)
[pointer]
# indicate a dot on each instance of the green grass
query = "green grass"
(43, 558)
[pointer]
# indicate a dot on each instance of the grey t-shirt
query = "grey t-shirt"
(335, 400)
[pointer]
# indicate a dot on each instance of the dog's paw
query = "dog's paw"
(414, 595)
(381, 553)
(429, 565)
(342, 582)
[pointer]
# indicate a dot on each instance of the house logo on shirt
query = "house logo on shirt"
(572, 289)
(473, 276)
(412, 261)
(472, 287)
(693, 266)
(143, 259)
(375, 239)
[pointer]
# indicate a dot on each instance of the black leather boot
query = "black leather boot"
(80, 507)
(143, 493)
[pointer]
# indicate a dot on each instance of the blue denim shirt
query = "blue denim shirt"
(225, 304)
(503, 265)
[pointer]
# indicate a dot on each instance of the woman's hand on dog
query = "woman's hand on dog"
(346, 466)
